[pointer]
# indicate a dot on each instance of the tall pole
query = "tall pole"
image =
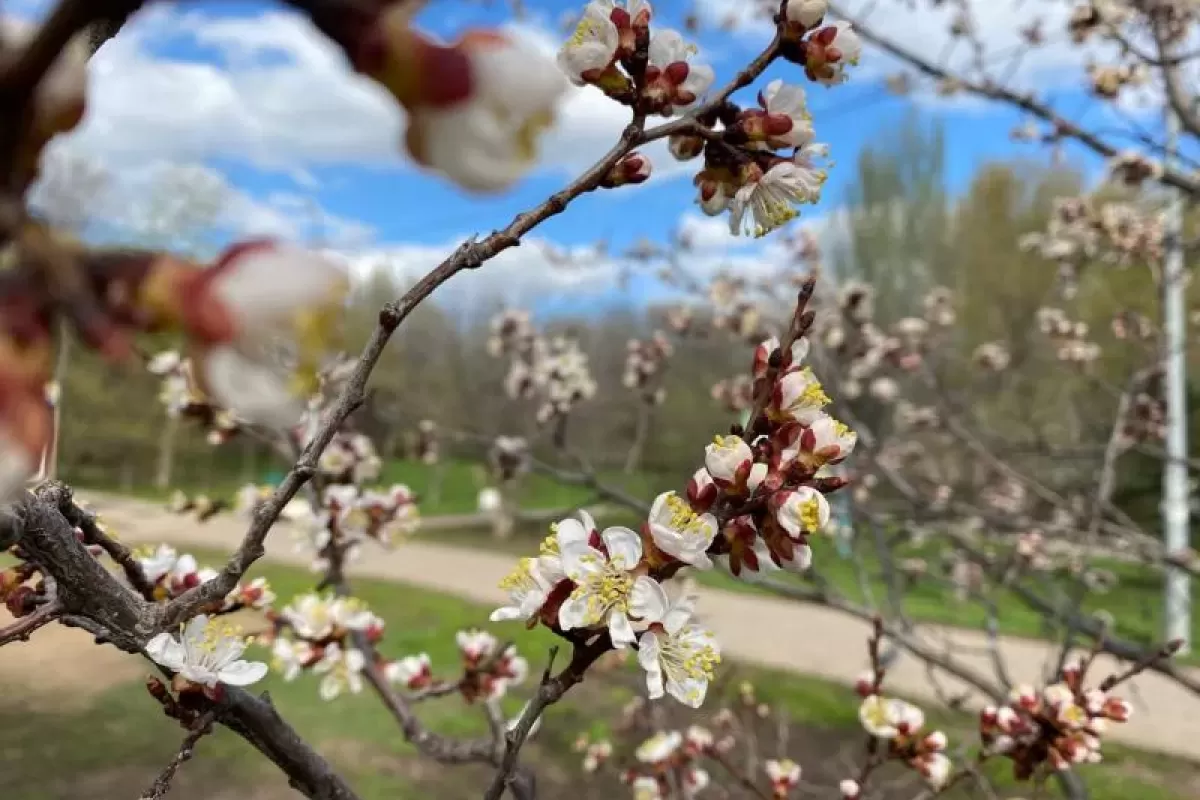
(1175, 505)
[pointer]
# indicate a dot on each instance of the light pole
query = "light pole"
(1175, 506)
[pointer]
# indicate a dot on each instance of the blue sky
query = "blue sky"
(247, 92)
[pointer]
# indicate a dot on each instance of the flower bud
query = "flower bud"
(632, 169)
(807, 13)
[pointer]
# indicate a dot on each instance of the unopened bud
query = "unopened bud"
(935, 741)
(632, 169)
(685, 148)
(850, 790)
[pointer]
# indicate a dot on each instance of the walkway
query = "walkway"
(769, 632)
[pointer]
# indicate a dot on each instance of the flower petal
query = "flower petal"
(648, 601)
(253, 390)
(620, 629)
(243, 673)
(165, 650)
(624, 547)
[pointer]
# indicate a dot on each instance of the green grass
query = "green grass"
(115, 746)
(451, 487)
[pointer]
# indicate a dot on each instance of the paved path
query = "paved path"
(770, 632)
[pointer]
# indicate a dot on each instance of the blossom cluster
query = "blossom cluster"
(427, 447)
(899, 725)
(751, 507)
(489, 669)
(350, 458)
(1070, 337)
(350, 515)
(672, 763)
(1060, 726)
(645, 362)
(669, 761)
(172, 573)
(615, 49)
(1078, 232)
(552, 371)
(315, 633)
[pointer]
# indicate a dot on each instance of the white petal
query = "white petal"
(573, 613)
(624, 547)
(620, 629)
(252, 390)
(165, 650)
(243, 673)
(506, 614)
(648, 601)
(580, 562)
(690, 691)
(648, 652)
(678, 615)
(265, 283)
(571, 532)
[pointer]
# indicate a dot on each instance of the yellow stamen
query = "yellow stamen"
(683, 520)
(810, 514)
(605, 591)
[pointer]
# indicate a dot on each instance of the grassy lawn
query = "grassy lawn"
(116, 745)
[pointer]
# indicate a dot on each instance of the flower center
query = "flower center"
(690, 659)
(586, 31)
(549, 545)
(1073, 716)
(813, 394)
(218, 636)
(727, 444)
(810, 514)
(683, 519)
(605, 591)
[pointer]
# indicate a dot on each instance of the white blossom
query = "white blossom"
(680, 532)
(678, 656)
(801, 511)
(290, 656)
(771, 200)
(592, 46)
(886, 718)
(342, 670)
(488, 140)
(207, 652)
(606, 592)
(239, 369)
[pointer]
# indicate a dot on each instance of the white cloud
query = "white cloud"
(517, 277)
(173, 204)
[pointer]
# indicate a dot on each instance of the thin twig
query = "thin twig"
(162, 784)
(23, 627)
